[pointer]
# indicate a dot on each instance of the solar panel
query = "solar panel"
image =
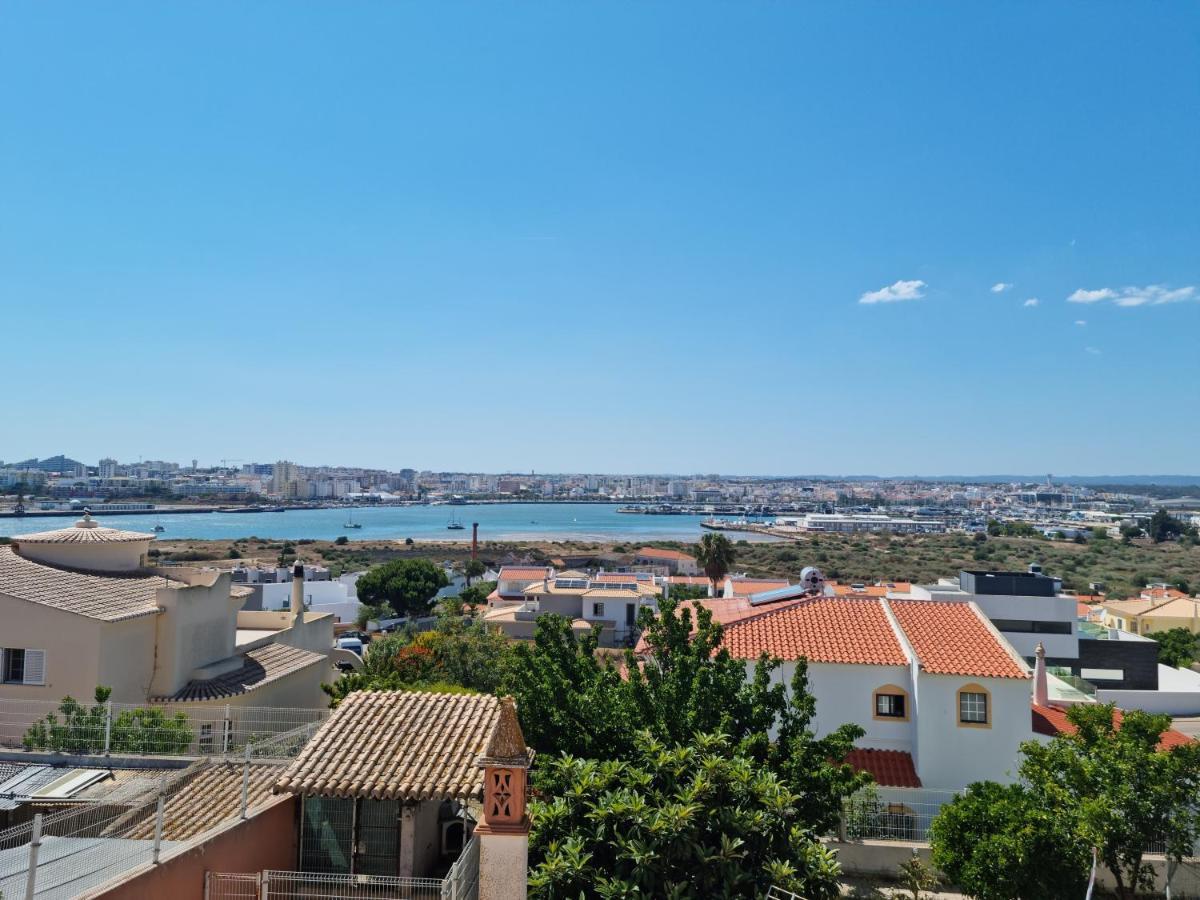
(571, 583)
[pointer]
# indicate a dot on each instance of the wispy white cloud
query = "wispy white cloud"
(1081, 322)
(1092, 350)
(1000, 287)
(1150, 295)
(894, 293)
(1032, 301)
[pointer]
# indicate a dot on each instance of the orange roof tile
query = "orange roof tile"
(658, 553)
(519, 573)
(1052, 720)
(821, 629)
(889, 768)
(700, 580)
(744, 587)
(952, 639)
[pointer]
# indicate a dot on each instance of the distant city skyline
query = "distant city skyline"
(670, 237)
(1146, 477)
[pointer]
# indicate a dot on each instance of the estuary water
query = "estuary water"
(497, 522)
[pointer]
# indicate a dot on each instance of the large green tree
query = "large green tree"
(715, 555)
(406, 586)
(1176, 646)
(695, 820)
(1123, 792)
(1164, 527)
(997, 842)
(573, 699)
(1113, 788)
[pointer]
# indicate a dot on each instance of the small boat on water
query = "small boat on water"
(350, 523)
(454, 524)
(159, 529)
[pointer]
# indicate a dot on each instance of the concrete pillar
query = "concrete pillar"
(1041, 686)
(408, 840)
(503, 865)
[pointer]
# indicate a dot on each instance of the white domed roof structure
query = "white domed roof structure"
(86, 545)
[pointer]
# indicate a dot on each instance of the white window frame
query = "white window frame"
(33, 671)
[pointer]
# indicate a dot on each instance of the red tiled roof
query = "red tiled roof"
(518, 573)
(700, 580)
(952, 639)
(821, 629)
(1052, 720)
(889, 768)
(656, 553)
(744, 587)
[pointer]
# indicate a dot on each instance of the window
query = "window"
(973, 706)
(597, 610)
(1102, 674)
(890, 706)
(21, 666)
(1032, 626)
(891, 702)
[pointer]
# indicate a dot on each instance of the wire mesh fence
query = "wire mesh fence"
(298, 885)
(66, 852)
(895, 814)
(159, 729)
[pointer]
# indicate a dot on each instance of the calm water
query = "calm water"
(497, 522)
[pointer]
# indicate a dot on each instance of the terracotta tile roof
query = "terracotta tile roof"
(699, 580)
(821, 629)
(953, 639)
(744, 587)
(262, 666)
(109, 596)
(1052, 720)
(405, 745)
(889, 768)
(724, 611)
(523, 573)
(203, 797)
(85, 531)
(656, 553)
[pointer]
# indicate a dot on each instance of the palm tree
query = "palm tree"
(473, 569)
(715, 555)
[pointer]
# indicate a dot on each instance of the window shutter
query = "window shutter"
(35, 666)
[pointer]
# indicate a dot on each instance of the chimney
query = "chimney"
(1041, 688)
(474, 540)
(298, 590)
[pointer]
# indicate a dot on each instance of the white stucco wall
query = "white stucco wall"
(846, 694)
(949, 755)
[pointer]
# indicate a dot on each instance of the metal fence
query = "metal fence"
(274, 885)
(460, 883)
(63, 853)
(163, 729)
(891, 814)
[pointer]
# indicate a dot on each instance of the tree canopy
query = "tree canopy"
(694, 820)
(1115, 789)
(405, 586)
(1165, 527)
(1176, 646)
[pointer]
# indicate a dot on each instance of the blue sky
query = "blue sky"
(603, 237)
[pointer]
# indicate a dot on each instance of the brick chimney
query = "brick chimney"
(504, 832)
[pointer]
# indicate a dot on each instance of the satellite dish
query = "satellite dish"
(812, 579)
